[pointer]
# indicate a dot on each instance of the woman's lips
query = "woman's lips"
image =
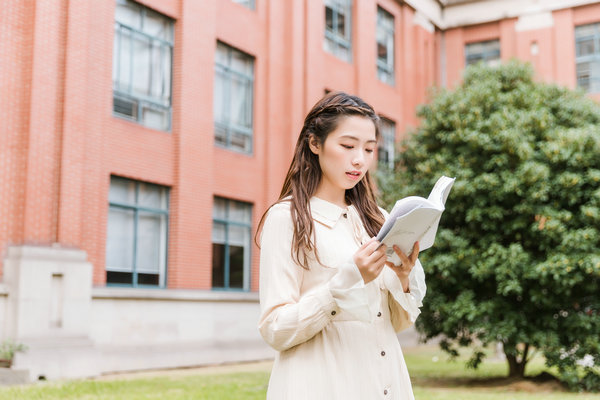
(354, 175)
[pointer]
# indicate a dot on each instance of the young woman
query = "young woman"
(330, 302)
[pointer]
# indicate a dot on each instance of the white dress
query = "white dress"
(335, 335)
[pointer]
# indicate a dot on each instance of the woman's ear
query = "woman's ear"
(314, 144)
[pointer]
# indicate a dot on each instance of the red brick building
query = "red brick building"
(142, 141)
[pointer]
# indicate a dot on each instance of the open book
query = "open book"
(415, 219)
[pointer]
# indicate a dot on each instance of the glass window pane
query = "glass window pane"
(218, 232)
(233, 98)
(155, 117)
(148, 279)
(119, 241)
(241, 63)
(221, 55)
(129, 13)
(218, 265)
(239, 212)
(141, 66)
(157, 25)
(341, 24)
(115, 61)
(236, 267)
(121, 278)
(488, 51)
(220, 135)
(246, 3)
(328, 18)
(238, 235)
(382, 52)
(124, 60)
(241, 101)
(152, 196)
(151, 240)
(157, 79)
(241, 141)
(585, 47)
(586, 30)
(163, 87)
(219, 208)
(220, 96)
(121, 191)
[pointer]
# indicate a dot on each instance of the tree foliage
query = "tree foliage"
(517, 255)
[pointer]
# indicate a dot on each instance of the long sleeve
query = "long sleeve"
(404, 307)
(288, 317)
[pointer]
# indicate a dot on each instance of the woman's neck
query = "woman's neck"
(336, 197)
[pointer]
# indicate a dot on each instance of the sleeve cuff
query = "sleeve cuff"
(349, 292)
(406, 300)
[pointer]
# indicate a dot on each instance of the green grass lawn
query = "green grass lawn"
(434, 378)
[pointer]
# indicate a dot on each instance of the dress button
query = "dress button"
(379, 314)
(385, 392)
(345, 215)
(333, 313)
(383, 353)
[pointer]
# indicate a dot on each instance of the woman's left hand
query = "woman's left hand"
(406, 264)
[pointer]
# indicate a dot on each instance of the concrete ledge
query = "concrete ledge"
(47, 253)
(14, 376)
(173, 295)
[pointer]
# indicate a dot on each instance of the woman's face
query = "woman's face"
(347, 154)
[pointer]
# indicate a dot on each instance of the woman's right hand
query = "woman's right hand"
(370, 259)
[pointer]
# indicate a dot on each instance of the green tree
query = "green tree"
(516, 258)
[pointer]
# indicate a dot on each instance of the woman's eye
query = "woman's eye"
(347, 146)
(369, 150)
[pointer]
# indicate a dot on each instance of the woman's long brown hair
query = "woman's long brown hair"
(304, 174)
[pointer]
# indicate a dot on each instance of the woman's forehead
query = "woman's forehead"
(355, 128)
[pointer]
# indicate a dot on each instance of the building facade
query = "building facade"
(142, 142)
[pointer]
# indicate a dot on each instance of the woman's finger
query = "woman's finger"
(367, 243)
(415, 253)
(401, 254)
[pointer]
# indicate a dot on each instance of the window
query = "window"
(385, 46)
(142, 61)
(387, 143)
(233, 98)
(338, 21)
(136, 244)
(231, 244)
(587, 57)
(488, 52)
(247, 3)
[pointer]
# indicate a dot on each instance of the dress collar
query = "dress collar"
(325, 212)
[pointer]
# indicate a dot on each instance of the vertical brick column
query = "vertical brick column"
(73, 149)
(191, 197)
(45, 123)
(16, 36)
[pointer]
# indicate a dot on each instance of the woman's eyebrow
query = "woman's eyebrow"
(357, 139)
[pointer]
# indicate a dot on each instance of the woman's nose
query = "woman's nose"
(358, 159)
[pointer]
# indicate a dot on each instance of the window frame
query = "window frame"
(388, 143)
(229, 127)
(247, 267)
(128, 95)
(136, 208)
(487, 56)
(337, 41)
(386, 71)
(590, 58)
